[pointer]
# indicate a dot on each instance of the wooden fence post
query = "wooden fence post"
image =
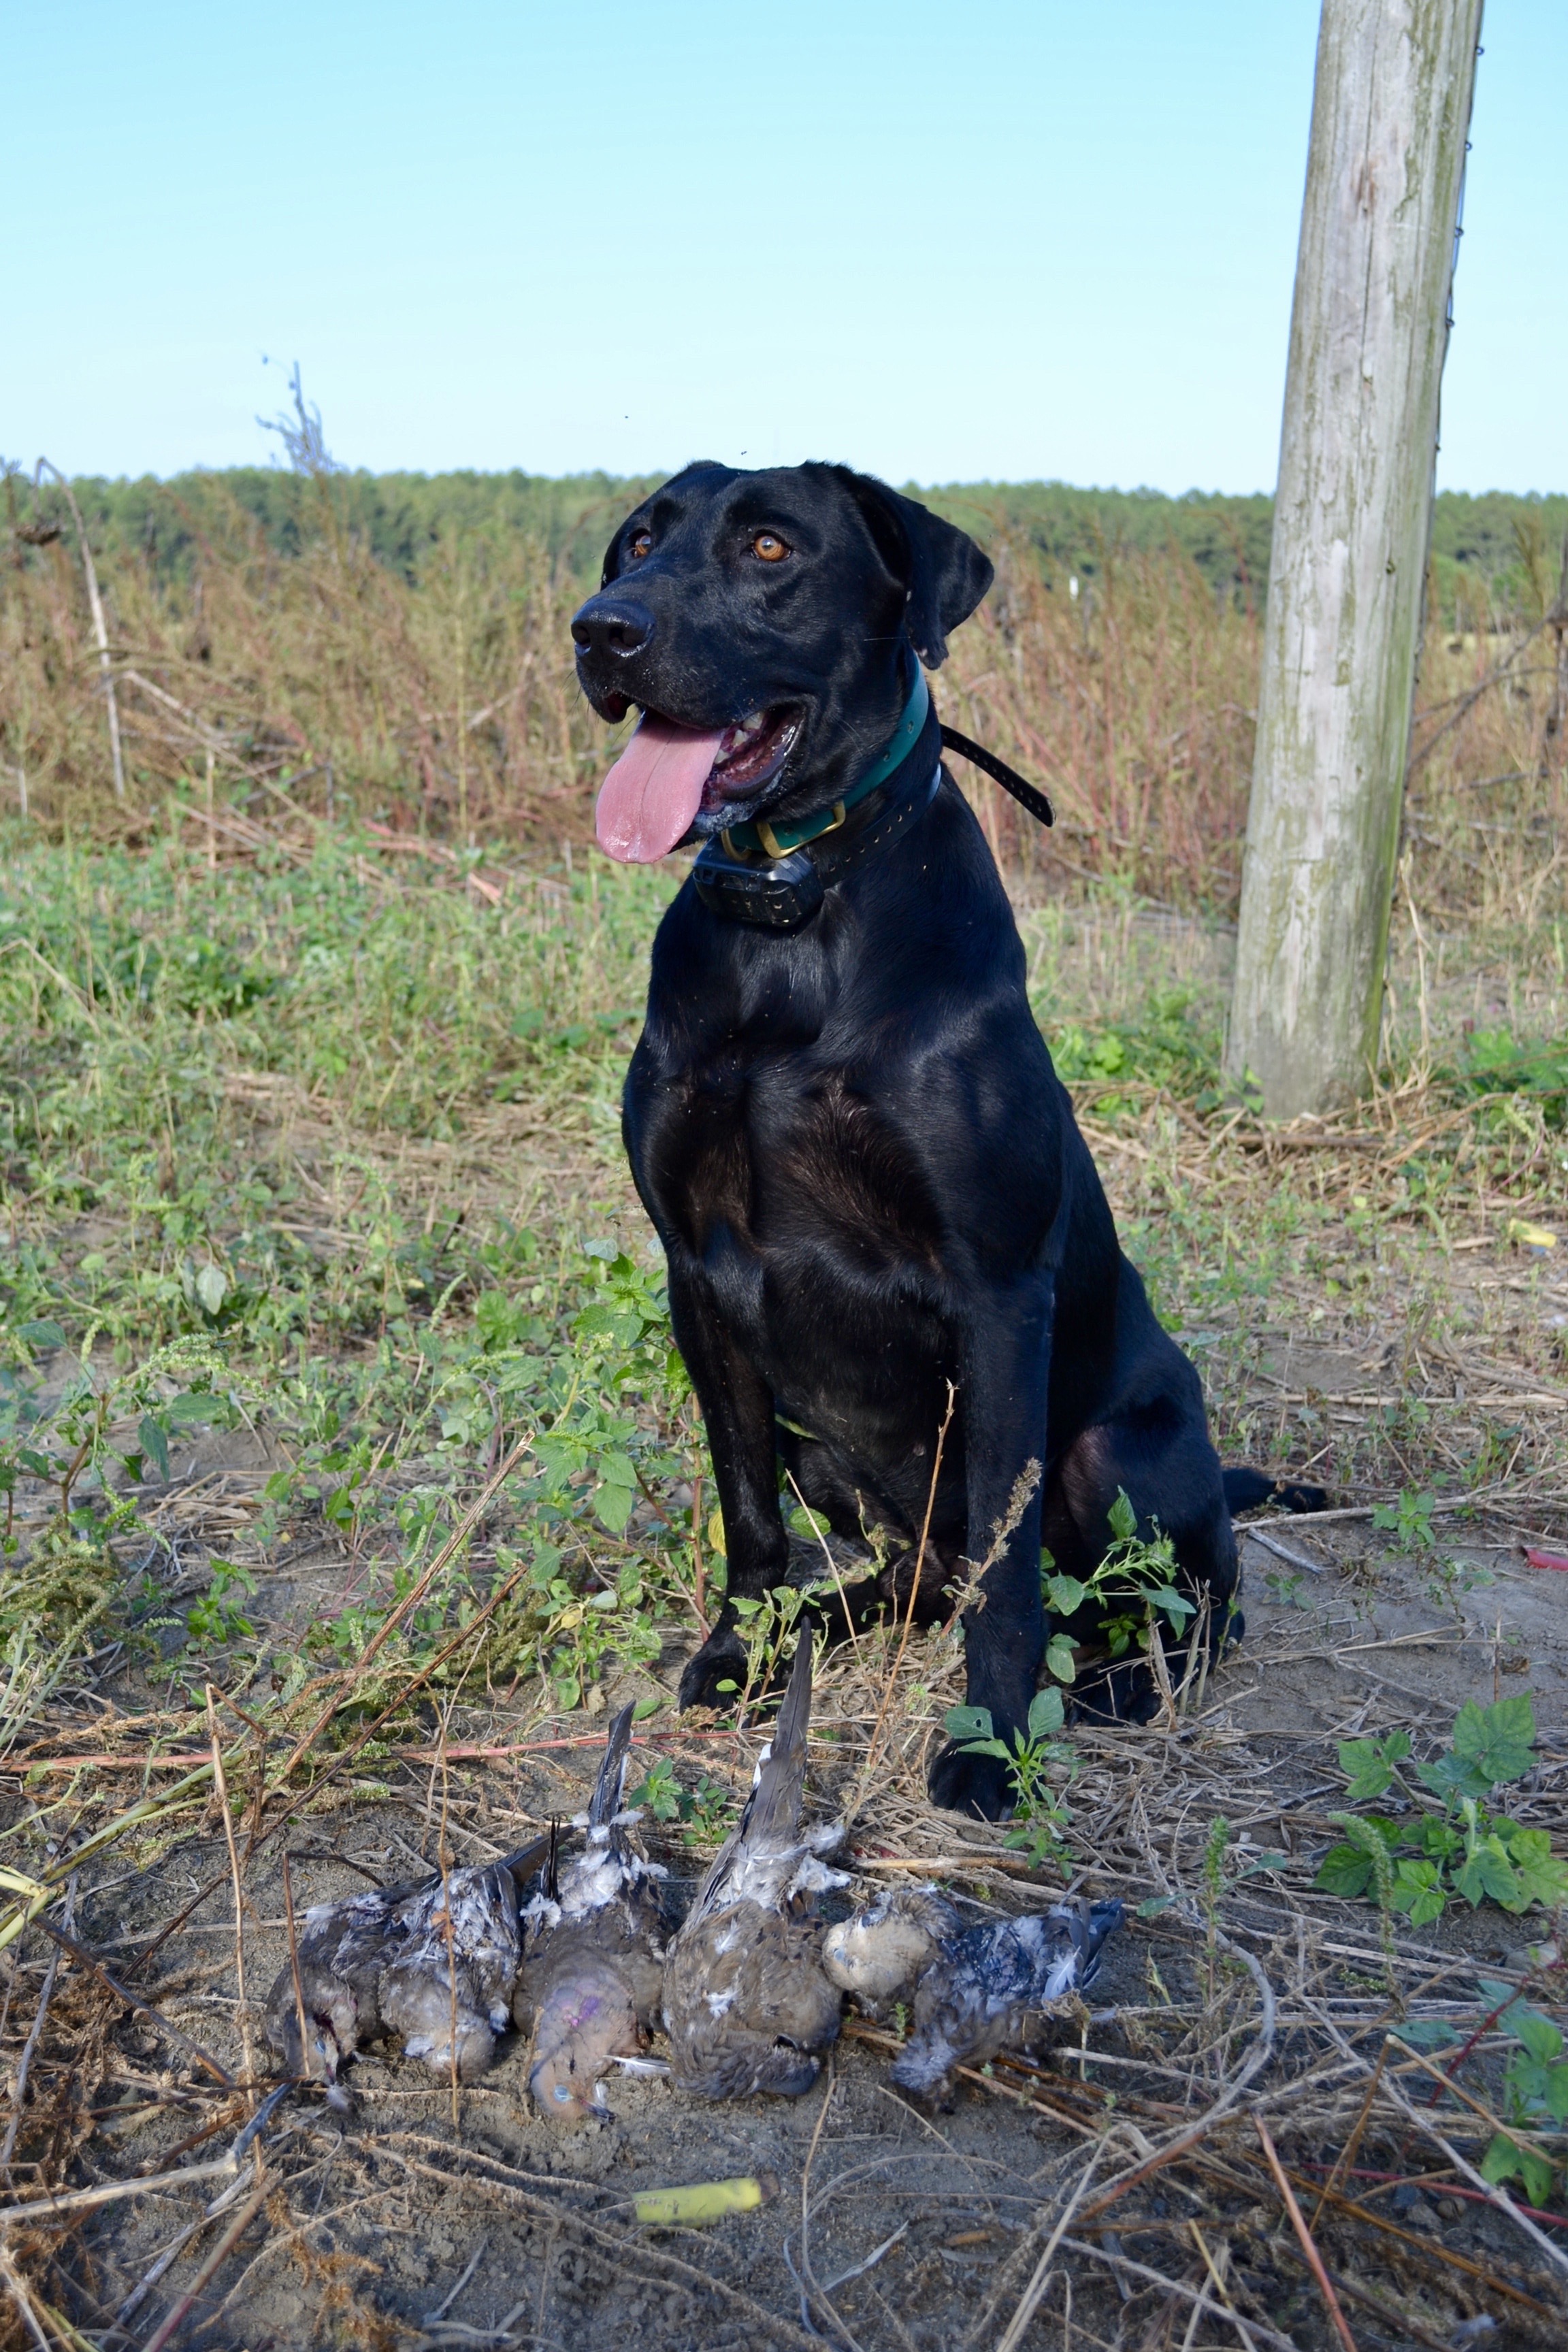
(1369, 330)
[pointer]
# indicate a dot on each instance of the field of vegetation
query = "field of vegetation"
(350, 1480)
(399, 647)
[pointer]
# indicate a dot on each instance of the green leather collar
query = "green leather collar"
(759, 835)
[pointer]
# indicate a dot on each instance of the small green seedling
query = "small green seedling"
(659, 1791)
(1408, 1521)
(1535, 2097)
(211, 1617)
(1132, 1586)
(1039, 1814)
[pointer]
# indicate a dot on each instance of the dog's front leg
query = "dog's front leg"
(738, 1412)
(1004, 1363)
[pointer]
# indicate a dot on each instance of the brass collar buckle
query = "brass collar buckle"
(770, 840)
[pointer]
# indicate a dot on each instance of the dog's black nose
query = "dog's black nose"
(612, 624)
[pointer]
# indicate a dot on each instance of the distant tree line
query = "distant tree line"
(1496, 558)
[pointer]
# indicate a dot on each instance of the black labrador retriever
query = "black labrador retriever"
(842, 1117)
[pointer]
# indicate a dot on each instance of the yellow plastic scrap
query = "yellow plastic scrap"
(1534, 1238)
(705, 2201)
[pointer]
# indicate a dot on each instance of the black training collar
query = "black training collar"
(783, 894)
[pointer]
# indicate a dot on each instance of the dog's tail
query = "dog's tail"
(1249, 1490)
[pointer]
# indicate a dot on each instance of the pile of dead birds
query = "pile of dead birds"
(579, 1953)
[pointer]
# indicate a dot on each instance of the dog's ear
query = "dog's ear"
(943, 572)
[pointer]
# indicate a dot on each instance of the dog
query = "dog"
(878, 1212)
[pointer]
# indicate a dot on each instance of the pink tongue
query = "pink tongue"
(648, 799)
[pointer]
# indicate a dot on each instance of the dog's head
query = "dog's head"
(762, 622)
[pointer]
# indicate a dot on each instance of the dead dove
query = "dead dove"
(342, 1949)
(879, 1955)
(592, 1951)
(990, 1987)
(746, 2004)
(455, 1973)
(345, 1951)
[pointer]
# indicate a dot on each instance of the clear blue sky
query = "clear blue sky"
(1007, 238)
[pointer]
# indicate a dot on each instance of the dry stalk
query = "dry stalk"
(99, 628)
(111, 2192)
(1121, 2262)
(1304, 2235)
(874, 1747)
(832, 1564)
(78, 1951)
(16, 2288)
(151, 1808)
(443, 1858)
(1033, 2294)
(345, 1682)
(220, 1785)
(1221, 2289)
(1347, 2155)
(23, 2064)
(294, 1965)
(219, 2254)
(810, 2285)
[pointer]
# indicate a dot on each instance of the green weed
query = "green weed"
(1120, 1601)
(1535, 2084)
(1037, 1762)
(1417, 1861)
(1408, 1520)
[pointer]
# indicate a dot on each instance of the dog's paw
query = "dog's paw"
(1123, 1693)
(978, 1786)
(841, 1612)
(721, 1660)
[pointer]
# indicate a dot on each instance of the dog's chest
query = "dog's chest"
(784, 1158)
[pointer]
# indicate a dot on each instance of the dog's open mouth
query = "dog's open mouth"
(667, 772)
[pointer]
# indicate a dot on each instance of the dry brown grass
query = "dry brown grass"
(445, 704)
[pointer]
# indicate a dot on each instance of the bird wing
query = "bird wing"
(772, 1818)
(610, 1788)
(772, 1811)
(524, 1859)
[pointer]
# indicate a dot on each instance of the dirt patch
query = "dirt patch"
(397, 2221)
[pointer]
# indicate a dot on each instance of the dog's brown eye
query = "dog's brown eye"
(641, 542)
(768, 547)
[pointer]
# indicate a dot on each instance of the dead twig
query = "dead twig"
(100, 626)
(1304, 2235)
(23, 2064)
(203, 2058)
(1033, 2294)
(410, 1602)
(111, 2192)
(220, 1785)
(224, 2246)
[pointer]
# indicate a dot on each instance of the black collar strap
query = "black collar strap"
(783, 893)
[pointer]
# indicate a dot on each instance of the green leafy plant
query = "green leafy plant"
(1039, 1813)
(1132, 1587)
(1417, 1861)
(767, 1626)
(1286, 1588)
(1408, 1520)
(659, 1791)
(212, 1616)
(1535, 2097)
(704, 1810)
